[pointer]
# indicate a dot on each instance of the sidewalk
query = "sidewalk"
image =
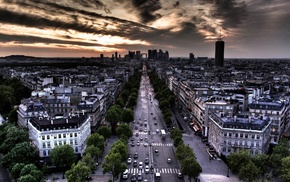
(97, 176)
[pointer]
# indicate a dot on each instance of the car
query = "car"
(154, 118)
(146, 161)
(145, 124)
(135, 164)
(155, 122)
(141, 138)
(88, 178)
(147, 169)
(137, 134)
(132, 139)
(146, 139)
(140, 177)
(157, 130)
(125, 174)
(133, 178)
(169, 160)
(140, 165)
(140, 130)
(156, 152)
(145, 119)
(129, 155)
(132, 144)
(145, 130)
(138, 143)
(152, 113)
(150, 144)
(141, 124)
(135, 155)
(145, 144)
(136, 127)
(129, 160)
(179, 175)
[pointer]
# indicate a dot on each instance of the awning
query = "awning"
(195, 128)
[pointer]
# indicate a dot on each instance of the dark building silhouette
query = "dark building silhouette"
(219, 52)
(191, 56)
(116, 55)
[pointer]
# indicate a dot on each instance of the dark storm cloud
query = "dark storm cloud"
(125, 28)
(32, 39)
(147, 9)
(231, 11)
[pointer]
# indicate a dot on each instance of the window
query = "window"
(64, 135)
(225, 134)
(48, 137)
(236, 135)
(230, 134)
(71, 142)
(48, 144)
(55, 143)
(246, 135)
(258, 137)
(71, 135)
(55, 136)
(253, 136)
(76, 142)
(64, 142)
(44, 153)
(43, 137)
(59, 135)
(43, 145)
(76, 134)
(77, 150)
(241, 135)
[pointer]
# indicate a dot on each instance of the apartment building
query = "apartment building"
(240, 132)
(277, 110)
(47, 133)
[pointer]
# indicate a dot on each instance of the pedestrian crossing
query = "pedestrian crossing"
(160, 170)
(162, 144)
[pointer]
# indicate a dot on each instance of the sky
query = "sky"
(88, 28)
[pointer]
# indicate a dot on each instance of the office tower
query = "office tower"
(191, 56)
(219, 52)
(116, 55)
(102, 56)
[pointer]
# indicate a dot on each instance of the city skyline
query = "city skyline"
(88, 28)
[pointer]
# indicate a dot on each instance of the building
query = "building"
(219, 53)
(276, 110)
(47, 133)
(240, 132)
(29, 109)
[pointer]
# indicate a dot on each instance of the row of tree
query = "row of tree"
(165, 97)
(11, 92)
(122, 111)
(189, 166)
(250, 168)
(19, 156)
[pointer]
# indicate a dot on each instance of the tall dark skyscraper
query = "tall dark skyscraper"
(219, 52)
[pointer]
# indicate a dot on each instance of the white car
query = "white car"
(147, 169)
(138, 143)
(140, 165)
(145, 144)
(169, 160)
(129, 160)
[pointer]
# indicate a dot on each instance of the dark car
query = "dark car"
(146, 161)
(132, 144)
(140, 177)
(136, 156)
(135, 163)
(133, 178)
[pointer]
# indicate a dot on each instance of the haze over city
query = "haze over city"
(67, 28)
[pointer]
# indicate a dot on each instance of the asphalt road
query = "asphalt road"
(147, 111)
